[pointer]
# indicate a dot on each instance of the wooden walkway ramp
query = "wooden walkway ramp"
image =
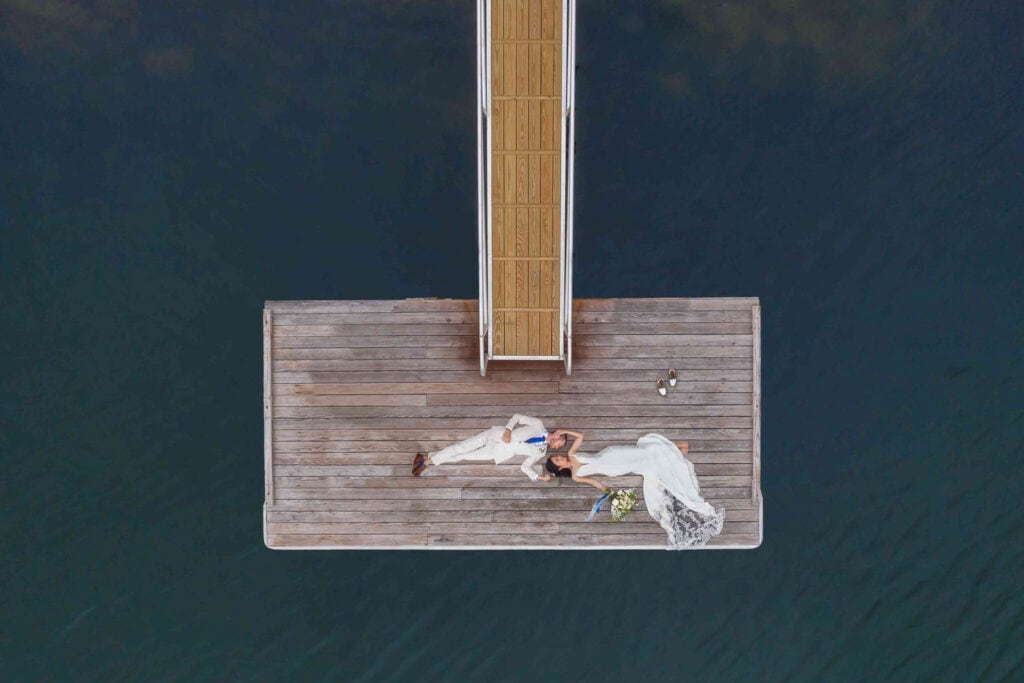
(524, 166)
(353, 389)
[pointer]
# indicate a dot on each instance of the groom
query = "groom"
(523, 435)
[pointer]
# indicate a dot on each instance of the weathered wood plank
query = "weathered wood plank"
(637, 397)
(548, 374)
(471, 423)
(681, 414)
(584, 317)
(348, 493)
(645, 340)
(444, 481)
(403, 377)
(654, 304)
(412, 305)
(409, 329)
(462, 470)
(734, 518)
(661, 328)
(404, 459)
(452, 435)
(391, 505)
(536, 492)
(412, 447)
(583, 491)
(419, 365)
(353, 400)
(661, 352)
(414, 528)
(651, 541)
(592, 388)
(371, 341)
(431, 388)
(492, 527)
(686, 376)
(700, 368)
(464, 352)
(418, 305)
(467, 352)
(461, 317)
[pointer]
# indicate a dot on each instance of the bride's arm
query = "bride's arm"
(589, 480)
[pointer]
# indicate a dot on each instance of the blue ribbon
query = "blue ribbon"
(597, 507)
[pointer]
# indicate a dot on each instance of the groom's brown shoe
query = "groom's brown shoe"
(418, 470)
(420, 457)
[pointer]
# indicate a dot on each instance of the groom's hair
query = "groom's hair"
(556, 470)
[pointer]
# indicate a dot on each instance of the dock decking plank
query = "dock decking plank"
(736, 517)
(652, 541)
(577, 504)
(396, 457)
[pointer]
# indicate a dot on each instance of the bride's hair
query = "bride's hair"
(556, 470)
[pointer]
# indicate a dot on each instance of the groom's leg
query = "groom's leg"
(473, 448)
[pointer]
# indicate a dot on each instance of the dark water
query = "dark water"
(166, 167)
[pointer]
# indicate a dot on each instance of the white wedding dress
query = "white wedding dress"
(671, 490)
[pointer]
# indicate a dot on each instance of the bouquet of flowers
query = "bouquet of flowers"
(623, 501)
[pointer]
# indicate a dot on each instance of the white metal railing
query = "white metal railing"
(483, 202)
(570, 131)
(563, 163)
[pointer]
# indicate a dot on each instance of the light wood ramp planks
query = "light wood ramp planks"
(526, 172)
(356, 388)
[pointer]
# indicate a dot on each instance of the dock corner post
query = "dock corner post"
(268, 407)
(756, 396)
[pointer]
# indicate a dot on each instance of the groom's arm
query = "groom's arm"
(527, 467)
(518, 419)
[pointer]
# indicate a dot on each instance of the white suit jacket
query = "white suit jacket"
(524, 427)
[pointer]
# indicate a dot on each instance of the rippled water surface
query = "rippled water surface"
(167, 167)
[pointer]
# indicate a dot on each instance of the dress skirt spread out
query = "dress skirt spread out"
(671, 491)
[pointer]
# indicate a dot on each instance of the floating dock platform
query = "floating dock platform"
(353, 389)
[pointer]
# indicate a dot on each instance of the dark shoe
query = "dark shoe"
(672, 378)
(418, 470)
(420, 457)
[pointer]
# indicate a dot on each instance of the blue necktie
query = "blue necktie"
(538, 439)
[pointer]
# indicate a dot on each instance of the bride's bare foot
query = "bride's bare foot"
(684, 446)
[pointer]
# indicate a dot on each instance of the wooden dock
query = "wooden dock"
(527, 154)
(353, 389)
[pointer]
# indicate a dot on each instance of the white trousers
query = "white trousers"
(486, 445)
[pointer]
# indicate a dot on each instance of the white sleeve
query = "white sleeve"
(533, 422)
(527, 466)
(516, 419)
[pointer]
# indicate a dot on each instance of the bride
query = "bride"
(670, 483)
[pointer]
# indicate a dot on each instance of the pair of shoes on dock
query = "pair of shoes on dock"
(672, 378)
(419, 464)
